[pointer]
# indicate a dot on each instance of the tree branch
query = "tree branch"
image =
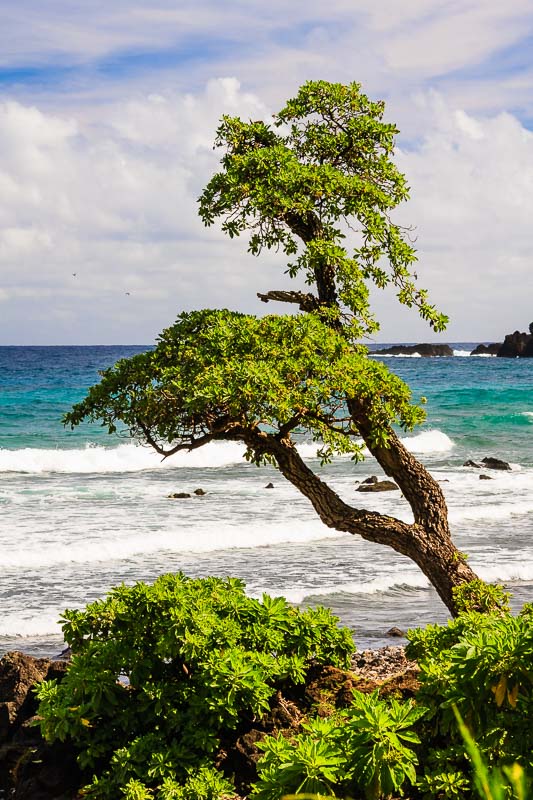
(307, 302)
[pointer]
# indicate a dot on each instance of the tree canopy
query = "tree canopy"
(215, 373)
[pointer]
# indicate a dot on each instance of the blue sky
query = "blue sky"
(107, 116)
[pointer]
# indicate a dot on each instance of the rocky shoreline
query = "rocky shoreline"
(31, 769)
(515, 345)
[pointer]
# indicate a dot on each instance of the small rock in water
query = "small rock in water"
(372, 479)
(178, 495)
(394, 631)
(199, 492)
(495, 463)
(269, 486)
(471, 463)
(379, 486)
(485, 478)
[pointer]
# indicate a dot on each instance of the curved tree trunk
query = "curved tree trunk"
(427, 541)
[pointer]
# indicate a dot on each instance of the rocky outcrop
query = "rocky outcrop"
(378, 486)
(489, 462)
(31, 769)
(486, 349)
(425, 350)
(517, 345)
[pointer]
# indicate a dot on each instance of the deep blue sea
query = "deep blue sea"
(82, 511)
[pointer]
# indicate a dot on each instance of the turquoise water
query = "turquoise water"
(82, 511)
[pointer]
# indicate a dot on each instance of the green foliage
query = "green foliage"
(482, 665)
(324, 166)
(216, 374)
(480, 596)
(365, 748)
(495, 784)
(161, 672)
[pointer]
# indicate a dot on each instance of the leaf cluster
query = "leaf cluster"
(161, 672)
(323, 167)
(481, 665)
(364, 749)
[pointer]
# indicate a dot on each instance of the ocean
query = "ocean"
(82, 511)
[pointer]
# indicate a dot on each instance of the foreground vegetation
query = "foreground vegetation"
(169, 681)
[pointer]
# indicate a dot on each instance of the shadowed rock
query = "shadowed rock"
(378, 486)
(425, 350)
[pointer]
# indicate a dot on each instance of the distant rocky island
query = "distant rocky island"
(515, 345)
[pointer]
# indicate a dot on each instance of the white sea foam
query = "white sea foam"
(431, 441)
(405, 580)
(461, 353)
(131, 457)
(124, 458)
(188, 538)
(28, 624)
(505, 572)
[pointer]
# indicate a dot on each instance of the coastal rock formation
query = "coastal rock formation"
(486, 349)
(178, 495)
(425, 350)
(377, 486)
(30, 769)
(490, 463)
(517, 345)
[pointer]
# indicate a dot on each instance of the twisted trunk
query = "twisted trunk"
(427, 541)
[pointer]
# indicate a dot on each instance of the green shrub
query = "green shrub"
(361, 749)
(161, 672)
(481, 664)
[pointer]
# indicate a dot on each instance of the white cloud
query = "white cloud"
(100, 216)
(472, 203)
(99, 172)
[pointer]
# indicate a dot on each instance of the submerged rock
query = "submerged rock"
(178, 495)
(200, 492)
(269, 486)
(485, 478)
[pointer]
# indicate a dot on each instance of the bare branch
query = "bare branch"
(306, 302)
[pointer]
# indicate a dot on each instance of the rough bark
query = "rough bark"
(427, 541)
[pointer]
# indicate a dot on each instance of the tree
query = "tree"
(319, 174)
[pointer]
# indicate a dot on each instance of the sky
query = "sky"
(107, 121)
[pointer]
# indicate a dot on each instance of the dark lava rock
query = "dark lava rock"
(471, 463)
(394, 631)
(495, 463)
(485, 478)
(517, 345)
(30, 769)
(269, 486)
(425, 350)
(486, 349)
(379, 486)
(200, 492)
(178, 495)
